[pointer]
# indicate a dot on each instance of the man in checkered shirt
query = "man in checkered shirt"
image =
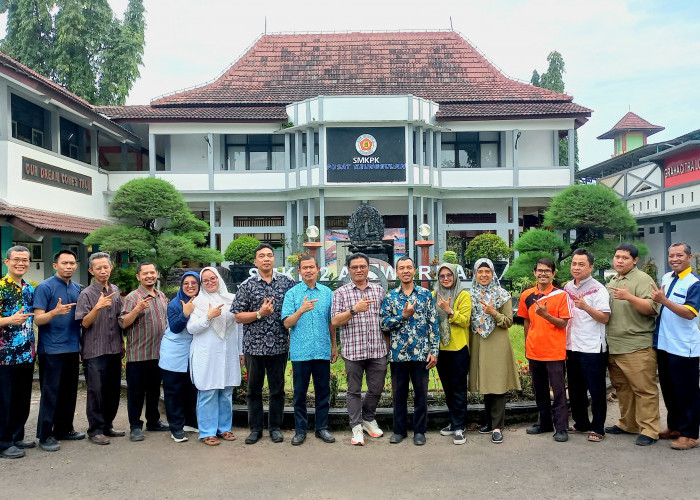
(355, 310)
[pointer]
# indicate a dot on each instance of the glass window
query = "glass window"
(29, 122)
(470, 150)
(255, 152)
(72, 140)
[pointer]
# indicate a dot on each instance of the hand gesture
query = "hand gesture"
(142, 304)
(541, 309)
(267, 307)
(214, 311)
(19, 317)
(362, 305)
(445, 305)
(621, 293)
(658, 295)
(307, 305)
(488, 308)
(187, 307)
(408, 309)
(580, 303)
(104, 301)
(62, 308)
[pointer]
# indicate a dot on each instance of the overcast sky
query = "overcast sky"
(620, 55)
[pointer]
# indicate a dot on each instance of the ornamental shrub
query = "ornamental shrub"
(487, 245)
(242, 250)
(450, 257)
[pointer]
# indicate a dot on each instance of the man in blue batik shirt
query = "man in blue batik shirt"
(677, 340)
(408, 313)
(306, 311)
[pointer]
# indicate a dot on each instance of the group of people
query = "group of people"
(197, 343)
(632, 328)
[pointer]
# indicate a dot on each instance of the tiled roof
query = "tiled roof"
(479, 111)
(229, 113)
(631, 122)
(41, 220)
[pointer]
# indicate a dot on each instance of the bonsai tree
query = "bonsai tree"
(487, 245)
(450, 257)
(533, 245)
(242, 250)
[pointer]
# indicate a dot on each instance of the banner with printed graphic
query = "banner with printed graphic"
(366, 154)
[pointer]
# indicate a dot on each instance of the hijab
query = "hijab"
(482, 322)
(451, 293)
(175, 306)
(220, 324)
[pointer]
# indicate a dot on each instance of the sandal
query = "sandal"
(594, 437)
(211, 441)
(227, 436)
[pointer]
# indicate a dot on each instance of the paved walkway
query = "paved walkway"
(522, 467)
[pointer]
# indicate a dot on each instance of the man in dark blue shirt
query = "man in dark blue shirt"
(58, 350)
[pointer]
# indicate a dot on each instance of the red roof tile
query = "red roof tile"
(631, 122)
(41, 220)
(479, 111)
(216, 113)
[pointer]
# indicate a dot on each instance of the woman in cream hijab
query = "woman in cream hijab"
(216, 357)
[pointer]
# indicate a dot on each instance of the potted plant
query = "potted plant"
(490, 246)
(241, 252)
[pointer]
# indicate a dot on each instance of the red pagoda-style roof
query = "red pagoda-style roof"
(631, 123)
(280, 69)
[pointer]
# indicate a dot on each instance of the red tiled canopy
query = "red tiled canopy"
(29, 220)
(631, 123)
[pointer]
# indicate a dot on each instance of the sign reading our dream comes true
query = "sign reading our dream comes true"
(33, 170)
(366, 154)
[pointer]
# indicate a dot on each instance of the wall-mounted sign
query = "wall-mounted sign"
(44, 173)
(366, 154)
(682, 168)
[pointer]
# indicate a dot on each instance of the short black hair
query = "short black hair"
(307, 256)
(261, 246)
(356, 255)
(686, 247)
(628, 247)
(405, 257)
(64, 252)
(144, 263)
(583, 251)
(545, 261)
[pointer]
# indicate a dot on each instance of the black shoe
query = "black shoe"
(253, 437)
(24, 444)
(71, 436)
(614, 429)
(100, 439)
(114, 433)
(496, 437)
(419, 439)
(276, 436)
(643, 440)
(298, 439)
(12, 452)
(485, 429)
(326, 436)
(561, 436)
(136, 434)
(158, 427)
(50, 444)
(537, 429)
(396, 438)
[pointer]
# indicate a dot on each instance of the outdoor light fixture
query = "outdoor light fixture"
(424, 230)
(312, 232)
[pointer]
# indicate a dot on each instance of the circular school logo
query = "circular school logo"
(366, 144)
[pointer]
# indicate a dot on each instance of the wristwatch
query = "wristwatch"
(257, 315)
(353, 312)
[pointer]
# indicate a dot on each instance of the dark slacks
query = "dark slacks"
(495, 409)
(374, 369)
(401, 372)
(544, 374)
(15, 398)
(302, 371)
(143, 383)
(257, 367)
(180, 396)
(58, 380)
(679, 377)
(586, 373)
(453, 368)
(103, 375)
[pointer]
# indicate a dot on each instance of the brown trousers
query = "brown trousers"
(633, 375)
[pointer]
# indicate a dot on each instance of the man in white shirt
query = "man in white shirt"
(586, 349)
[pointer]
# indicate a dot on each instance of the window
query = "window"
(470, 150)
(29, 122)
(254, 152)
(652, 230)
(72, 140)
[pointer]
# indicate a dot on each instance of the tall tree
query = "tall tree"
(78, 44)
(553, 79)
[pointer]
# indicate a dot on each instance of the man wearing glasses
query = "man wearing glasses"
(545, 310)
(356, 308)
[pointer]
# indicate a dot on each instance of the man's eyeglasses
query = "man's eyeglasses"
(358, 268)
(543, 271)
(19, 261)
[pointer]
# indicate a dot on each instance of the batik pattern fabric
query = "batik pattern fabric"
(16, 341)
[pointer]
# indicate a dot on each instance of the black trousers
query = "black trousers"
(15, 399)
(401, 373)
(302, 371)
(180, 399)
(679, 377)
(143, 382)
(453, 368)
(58, 379)
(257, 366)
(587, 375)
(543, 374)
(103, 375)
(495, 410)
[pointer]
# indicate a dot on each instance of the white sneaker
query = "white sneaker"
(459, 437)
(371, 427)
(358, 438)
(189, 428)
(447, 431)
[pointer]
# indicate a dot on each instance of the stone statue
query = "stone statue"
(365, 225)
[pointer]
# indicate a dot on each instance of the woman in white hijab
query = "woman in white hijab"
(216, 357)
